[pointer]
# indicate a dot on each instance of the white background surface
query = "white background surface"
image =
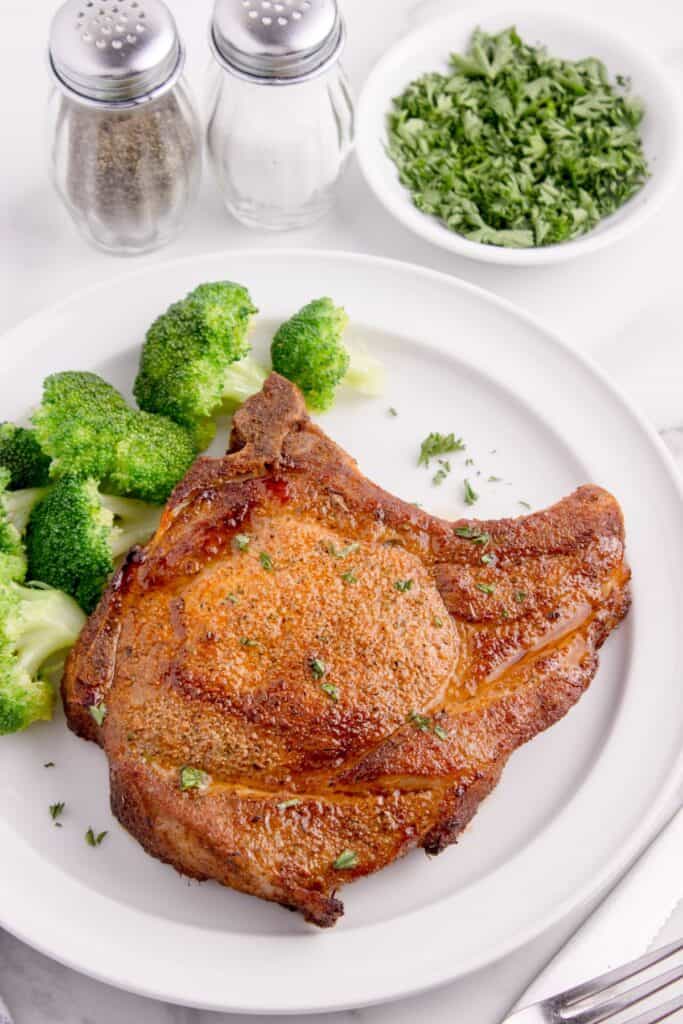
(624, 306)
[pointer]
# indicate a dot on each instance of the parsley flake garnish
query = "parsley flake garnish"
(403, 586)
(331, 690)
(98, 712)
(349, 577)
(266, 561)
(56, 811)
(495, 479)
(486, 588)
(470, 494)
(246, 641)
(348, 549)
(318, 668)
(232, 598)
(49, 764)
(436, 621)
(420, 721)
(242, 541)
(470, 533)
(192, 778)
(442, 472)
(440, 732)
(94, 839)
(346, 859)
(392, 411)
(488, 559)
(520, 596)
(524, 504)
(439, 444)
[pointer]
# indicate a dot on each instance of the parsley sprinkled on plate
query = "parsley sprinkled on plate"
(403, 586)
(192, 778)
(471, 533)
(56, 811)
(486, 588)
(331, 690)
(514, 147)
(470, 494)
(94, 838)
(266, 561)
(98, 712)
(439, 444)
(317, 667)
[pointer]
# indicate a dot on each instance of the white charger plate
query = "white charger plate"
(566, 34)
(573, 806)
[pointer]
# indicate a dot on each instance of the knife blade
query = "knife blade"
(625, 923)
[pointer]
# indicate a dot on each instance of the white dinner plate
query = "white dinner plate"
(573, 805)
(566, 34)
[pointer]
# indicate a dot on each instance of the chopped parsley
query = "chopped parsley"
(520, 596)
(242, 541)
(439, 444)
(49, 764)
(266, 561)
(246, 641)
(436, 621)
(331, 690)
(524, 504)
(56, 811)
(94, 838)
(470, 533)
(285, 804)
(98, 712)
(486, 588)
(348, 549)
(514, 147)
(232, 598)
(495, 479)
(442, 472)
(425, 724)
(318, 668)
(346, 859)
(470, 494)
(192, 778)
(392, 411)
(488, 559)
(403, 586)
(349, 577)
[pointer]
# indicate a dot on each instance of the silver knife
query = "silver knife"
(625, 923)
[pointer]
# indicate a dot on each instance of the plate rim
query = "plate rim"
(429, 228)
(649, 822)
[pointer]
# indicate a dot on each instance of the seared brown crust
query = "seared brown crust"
(203, 655)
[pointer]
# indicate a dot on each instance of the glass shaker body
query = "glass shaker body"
(127, 174)
(279, 150)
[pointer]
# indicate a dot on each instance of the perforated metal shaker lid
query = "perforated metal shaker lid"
(115, 51)
(277, 41)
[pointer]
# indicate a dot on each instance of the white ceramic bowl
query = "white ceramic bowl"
(565, 35)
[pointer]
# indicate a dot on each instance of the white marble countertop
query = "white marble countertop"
(623, 306)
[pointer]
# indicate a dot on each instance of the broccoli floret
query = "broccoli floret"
(89, 430)
(15, 508)
(35, 623)
(22, 455)
(75, 534)
(308, 350)
(189, 350)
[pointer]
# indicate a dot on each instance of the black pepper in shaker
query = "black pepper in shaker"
(126, 150)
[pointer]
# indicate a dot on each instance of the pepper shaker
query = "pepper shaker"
(281, 115)
(126, 140)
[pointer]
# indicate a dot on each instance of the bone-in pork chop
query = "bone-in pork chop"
(305, 677)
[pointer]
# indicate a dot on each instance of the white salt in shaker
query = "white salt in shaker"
(281, 115)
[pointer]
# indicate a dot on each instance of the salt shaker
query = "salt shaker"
(281, 116)
(125, 136)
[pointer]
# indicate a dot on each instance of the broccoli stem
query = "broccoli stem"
(134, 522)
(243, 379)
(48, 621)
(18, 505)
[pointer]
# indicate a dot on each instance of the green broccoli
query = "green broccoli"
(308, 350)
(15, 508)
(21, 453)
(36, 622)
(75, 534)
(89, 430)
(191, 354)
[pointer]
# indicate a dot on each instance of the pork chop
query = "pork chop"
(305, 677)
